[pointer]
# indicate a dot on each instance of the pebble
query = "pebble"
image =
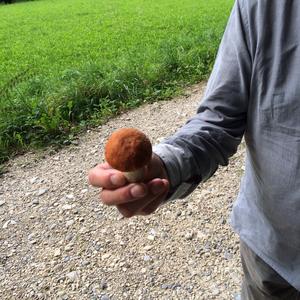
(68, 206)
(2, 202)
(36, 202)
(85, 263)
(105, 256)
(33, 180)
(31, 235)
(189, 235)
(151, 237)
(215, 292)
(105, 297)
(69, 223)
(9, 222)
(57, 252)
(41, 192)
(69, 247)
(52, 226)
(103, 285)
(228, 255)
(148, 247)
(147, 258)
(69, 237)
(73, 276)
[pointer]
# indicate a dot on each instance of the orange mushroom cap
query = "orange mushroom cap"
(128, 149)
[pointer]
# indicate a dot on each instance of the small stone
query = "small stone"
(73, 276)
(52, 226)
(33, 242)
(147, 258)
(189, 235)
(103, 285)
(67, 207)
(148, 247)
(165, 286)
(152, 232)
(105, 256)
(9, 222)
(69, 247)
(2, 202)
(85, 263)
(33, 180)
(57, 252)
(31, 236)
(62, 295)
(69, 223)
(105, 297)
(201, 235)
(67, 258)
(69, 237)
(151, 237)
(36, 202)
(215, 292)
(70, 196)
(228, 255)
(41, 192)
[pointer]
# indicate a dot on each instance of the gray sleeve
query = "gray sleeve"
(208, 139)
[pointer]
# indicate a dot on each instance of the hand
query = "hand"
(134, 198)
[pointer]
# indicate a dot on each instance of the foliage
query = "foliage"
(66, 64)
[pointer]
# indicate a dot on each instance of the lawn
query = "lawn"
(68, 64)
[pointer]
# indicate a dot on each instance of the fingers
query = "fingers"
(157, 190)
(130, 199)
(106, 177)
(125, 194)
(152, 206)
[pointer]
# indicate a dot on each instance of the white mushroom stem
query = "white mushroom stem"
(135, 176)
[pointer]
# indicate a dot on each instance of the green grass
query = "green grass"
(66, 64)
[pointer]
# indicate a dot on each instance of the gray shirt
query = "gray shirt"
(253, 91)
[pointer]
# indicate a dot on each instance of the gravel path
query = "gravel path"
(58, 242)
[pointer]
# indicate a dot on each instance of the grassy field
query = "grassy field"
(66, 64)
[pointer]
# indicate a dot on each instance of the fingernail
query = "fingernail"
(117, 180)
(138, 191)
(158, 188)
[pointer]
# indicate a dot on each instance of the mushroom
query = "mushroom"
(129, 151)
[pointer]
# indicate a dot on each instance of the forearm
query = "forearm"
(207, 140)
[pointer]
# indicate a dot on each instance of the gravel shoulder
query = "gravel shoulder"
(58, 242)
